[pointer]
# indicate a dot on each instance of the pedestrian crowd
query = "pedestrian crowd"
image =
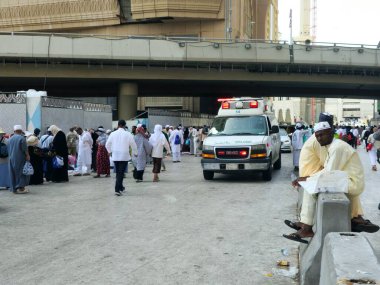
(31, 158)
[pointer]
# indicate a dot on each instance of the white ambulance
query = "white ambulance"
(244, 137)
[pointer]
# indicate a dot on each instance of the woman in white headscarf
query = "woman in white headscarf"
(158, 141)
(144, 148)
(36, 159)
(102, 156)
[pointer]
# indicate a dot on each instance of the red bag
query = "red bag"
(369, 146)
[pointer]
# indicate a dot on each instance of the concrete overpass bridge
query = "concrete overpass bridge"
(126, 67)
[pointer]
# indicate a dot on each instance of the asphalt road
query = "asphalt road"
(182, 230)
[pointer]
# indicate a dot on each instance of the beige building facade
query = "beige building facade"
(216, 20)
(234, 19)
(347, 111)
(352, 111)
(290, 110)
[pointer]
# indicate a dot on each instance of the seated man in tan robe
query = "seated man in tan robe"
(337, 155)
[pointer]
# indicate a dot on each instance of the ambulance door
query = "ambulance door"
(273, 141)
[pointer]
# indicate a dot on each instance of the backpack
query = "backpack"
(3, 150)
(205, 130)
(177, 139)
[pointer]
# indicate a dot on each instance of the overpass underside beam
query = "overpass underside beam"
(188, 82)
(255, 67)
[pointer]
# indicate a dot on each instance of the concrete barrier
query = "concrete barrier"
(332, 215)
(348, 258)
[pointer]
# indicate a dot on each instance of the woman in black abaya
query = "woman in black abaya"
(59, 147)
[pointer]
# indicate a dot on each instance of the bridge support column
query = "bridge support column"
(127, 100)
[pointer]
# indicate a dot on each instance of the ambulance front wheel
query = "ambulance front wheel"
(208, 175)
(267, 174)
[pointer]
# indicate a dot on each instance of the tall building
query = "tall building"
(218, 19)
(352, 111)
(348, 111)
(213, 19)
(290, 110)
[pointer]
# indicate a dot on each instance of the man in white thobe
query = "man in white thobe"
(118, 145)
(355, 134)
(84, 152)
(176, 142)
(195, 140)
(297, 143)
(341, 131)
(340, 156)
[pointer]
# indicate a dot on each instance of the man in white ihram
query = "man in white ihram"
(297, 143)
(84, 152)
(340, 156)
(176, 142)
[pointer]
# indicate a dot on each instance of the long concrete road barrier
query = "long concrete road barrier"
(348, 258)
(332, 215)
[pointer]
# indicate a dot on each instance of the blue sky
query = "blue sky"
(338, 21)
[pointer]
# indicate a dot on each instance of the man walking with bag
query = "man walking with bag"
(18, 155)
(176, 142)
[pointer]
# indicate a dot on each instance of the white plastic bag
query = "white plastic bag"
(335, 181)
(28, 169)
(84, 169)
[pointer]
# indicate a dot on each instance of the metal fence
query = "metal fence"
(65, 113)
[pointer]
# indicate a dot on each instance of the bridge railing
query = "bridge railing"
(193, 39)
(163, 51)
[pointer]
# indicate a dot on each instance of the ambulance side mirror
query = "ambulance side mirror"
(275, 130)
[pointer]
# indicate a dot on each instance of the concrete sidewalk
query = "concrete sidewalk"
(182, 230)
(371, 198)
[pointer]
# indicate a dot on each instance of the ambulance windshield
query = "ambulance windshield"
(227, 126)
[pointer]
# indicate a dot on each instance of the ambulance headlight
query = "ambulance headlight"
(208, 147)
(259, 148)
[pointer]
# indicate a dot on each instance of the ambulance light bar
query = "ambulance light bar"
(225, 105)
(225, 99)
(238, 99)
(253, 104)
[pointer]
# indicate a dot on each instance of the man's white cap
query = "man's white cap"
(167, 126)
(321, 126)
(298, 125)
(17, 128)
